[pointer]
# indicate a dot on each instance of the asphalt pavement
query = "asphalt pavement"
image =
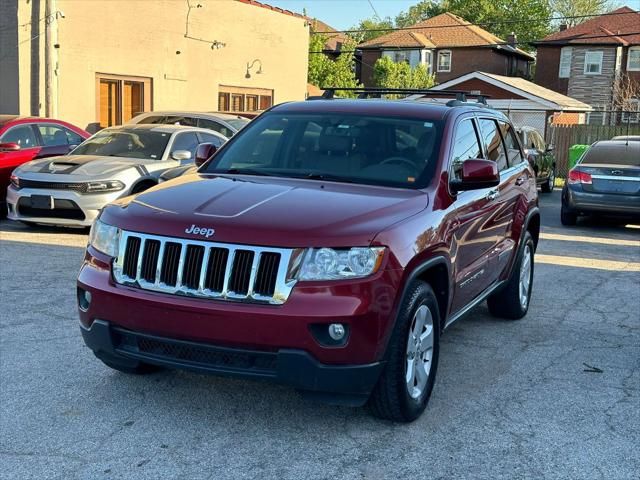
(554, 395)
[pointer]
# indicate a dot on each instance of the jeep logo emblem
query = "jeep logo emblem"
(205, 232)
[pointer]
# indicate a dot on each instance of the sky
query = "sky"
(343, 14)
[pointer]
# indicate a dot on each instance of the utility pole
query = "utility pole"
(48, 61)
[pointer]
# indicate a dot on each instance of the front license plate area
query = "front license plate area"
(43, 202)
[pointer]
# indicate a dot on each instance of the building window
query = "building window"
(242, 99)
(120, 98)
(444, 61)
(412, 57)
(592, 63)
(633, 60)
(426, 60)
(565, 62)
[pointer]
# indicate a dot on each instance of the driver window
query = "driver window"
(186, 141)
(493, 141)
(465, 146)
(23, 135)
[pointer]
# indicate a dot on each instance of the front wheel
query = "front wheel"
(547, 187)
(512, 302)
(405, 385)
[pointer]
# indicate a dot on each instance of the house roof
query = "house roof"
(442, 31)
(271, 7)
(333, 36)
(523, 88)
(619, 24)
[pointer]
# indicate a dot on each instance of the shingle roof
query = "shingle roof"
(271, 7)
(533, 89)
(625, 21)
(333, 37)
(442, 31)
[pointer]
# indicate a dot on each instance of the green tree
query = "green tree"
(390, 74)
(370, 25)
(324, 72)
(572, 8)
(419, 12)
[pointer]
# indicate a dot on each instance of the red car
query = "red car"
(326, 246)
(23, 139)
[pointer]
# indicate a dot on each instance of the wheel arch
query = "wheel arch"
(146, 182)
(532, 225)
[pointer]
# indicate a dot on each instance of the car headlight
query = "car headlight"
(104, 238)
(105, 186)
(15, 181)
(337, 264)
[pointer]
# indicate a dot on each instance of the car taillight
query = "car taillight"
(578, 176)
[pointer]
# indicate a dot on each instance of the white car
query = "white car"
(70, 190)
(223, 123)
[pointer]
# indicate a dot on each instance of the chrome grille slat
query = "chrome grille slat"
(212, 270)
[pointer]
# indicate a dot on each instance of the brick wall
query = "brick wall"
(547, 66)
(496, 93)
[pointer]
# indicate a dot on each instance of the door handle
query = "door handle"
(520, 180)
(492, 194)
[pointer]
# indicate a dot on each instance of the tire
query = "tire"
(512, 301)
(133, 368)
(547, 187)
(397, 397)
(567, 217)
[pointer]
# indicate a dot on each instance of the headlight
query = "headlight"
(106, 186)
(15, 181)
(337, 264)
(104, 238)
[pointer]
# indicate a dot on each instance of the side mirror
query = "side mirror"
(181, 155)
(204, 152)
(9, 147)
(477, 173)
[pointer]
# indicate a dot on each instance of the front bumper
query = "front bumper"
(70, 208)
(288, 331)
(579, 201)
(349, 384)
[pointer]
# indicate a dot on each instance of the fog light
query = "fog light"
(84, 299)
(336, 331)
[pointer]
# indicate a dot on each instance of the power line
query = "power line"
(539, 42)
(468, 24)
(374, 10)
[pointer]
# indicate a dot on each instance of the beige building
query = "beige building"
(96, 63)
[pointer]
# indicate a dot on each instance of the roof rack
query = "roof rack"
(377, 92)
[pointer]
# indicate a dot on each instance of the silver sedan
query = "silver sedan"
(70, 190)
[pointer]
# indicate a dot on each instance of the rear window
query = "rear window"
(340, 147)
(617, 153)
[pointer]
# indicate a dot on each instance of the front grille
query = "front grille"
(203, 269)
(190, 353)
(63, 208)
(75, 187)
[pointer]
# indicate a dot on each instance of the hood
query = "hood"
(266, 211)
(77, 166)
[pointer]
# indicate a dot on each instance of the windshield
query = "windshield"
(136, 143)
(336, 147)
(237, 123)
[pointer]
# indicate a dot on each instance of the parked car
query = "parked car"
(540, 156)
(115, 162)
(606, 181)
(223, 123)
(327, 262)
(630, 138)
(23, 139)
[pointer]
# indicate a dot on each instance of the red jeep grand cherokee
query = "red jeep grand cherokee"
(326, 246)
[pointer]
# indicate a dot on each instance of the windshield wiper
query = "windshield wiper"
(327, 176)
(246, 171)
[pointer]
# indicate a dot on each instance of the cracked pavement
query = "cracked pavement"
(555, 395)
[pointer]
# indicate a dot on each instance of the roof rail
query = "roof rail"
(377, 92)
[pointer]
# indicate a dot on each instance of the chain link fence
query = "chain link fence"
(564, 129)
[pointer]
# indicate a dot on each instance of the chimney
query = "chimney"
(512, 39)
(563, 27)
